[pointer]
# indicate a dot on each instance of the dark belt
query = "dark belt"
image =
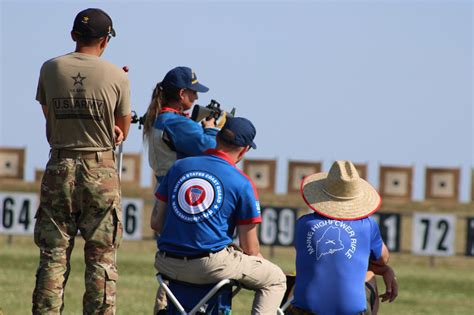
(294, 310)
(189, 257)
(73, 154)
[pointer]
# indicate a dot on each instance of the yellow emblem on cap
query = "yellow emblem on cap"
(193, 77)
(85, 19)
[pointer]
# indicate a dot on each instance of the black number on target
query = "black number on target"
(441, 224)
(7, 214)
(24, 217)
(130, 218)
(426, 222)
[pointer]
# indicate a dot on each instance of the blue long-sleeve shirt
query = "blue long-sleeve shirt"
(188, 137)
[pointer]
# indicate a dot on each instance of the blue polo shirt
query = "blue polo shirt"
(207, 196)
(331, 262)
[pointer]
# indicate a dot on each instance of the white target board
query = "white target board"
(442, 183)
(299, 170)
(12, 162)
(433, 234)
(128, 168)
(131, 168)
(262, 173)
(132, 210)
(18, 209)
(396, 183)
(389, 225)
(278, 226)
(17, 215)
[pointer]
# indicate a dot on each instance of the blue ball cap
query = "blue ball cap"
(242, 132)
(183, 78)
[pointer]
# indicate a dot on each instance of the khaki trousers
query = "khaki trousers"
(255, 273)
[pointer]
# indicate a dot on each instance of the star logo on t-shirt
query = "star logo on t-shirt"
(78, 79)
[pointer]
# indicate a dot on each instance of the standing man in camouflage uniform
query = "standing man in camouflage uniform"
(86, 102)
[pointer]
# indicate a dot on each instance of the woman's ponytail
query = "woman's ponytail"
(153, 109)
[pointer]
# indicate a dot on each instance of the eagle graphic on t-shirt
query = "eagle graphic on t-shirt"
(329, 243)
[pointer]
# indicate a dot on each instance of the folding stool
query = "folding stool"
(190, 299)
(215, 299)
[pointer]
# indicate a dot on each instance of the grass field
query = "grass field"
(446, 288)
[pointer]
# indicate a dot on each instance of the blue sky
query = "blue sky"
(377, 82)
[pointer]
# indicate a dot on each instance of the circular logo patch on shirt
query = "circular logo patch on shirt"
(197, 196)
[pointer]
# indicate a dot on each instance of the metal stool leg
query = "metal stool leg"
(170, 294)
(283, 308)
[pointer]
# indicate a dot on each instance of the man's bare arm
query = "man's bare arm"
(248, 239)
(118, 135)
(123, 122)
(158, 216)
(381, 267)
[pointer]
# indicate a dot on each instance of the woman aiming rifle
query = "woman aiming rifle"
(168, 131)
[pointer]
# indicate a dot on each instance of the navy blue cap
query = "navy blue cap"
(183, 78)
(239, 131)
(93, 23)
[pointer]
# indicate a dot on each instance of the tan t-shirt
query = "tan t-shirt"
(82, 93)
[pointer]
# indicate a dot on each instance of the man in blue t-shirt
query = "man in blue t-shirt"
(201, 201)
(335, 244)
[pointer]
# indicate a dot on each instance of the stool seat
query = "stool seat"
(190, 298)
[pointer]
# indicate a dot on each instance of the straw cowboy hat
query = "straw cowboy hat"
(340, 194)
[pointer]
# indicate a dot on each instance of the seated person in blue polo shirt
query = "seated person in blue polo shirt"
(335, 244)
(201, 201)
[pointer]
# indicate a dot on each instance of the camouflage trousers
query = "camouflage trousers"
(78, 195)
